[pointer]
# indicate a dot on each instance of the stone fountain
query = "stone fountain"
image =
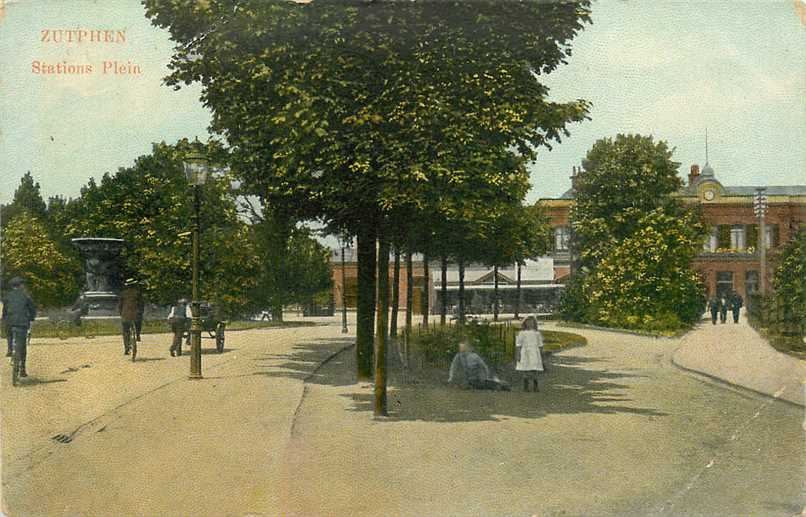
(103, 274)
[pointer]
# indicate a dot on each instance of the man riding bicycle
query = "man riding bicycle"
(130, 307)
(18, 313)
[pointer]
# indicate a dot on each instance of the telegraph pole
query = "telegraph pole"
(760, 207)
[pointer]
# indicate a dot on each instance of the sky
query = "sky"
(670, 69)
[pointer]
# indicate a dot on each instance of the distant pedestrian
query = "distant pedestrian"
(724, 304)
(18, 313)
(715, 306)
(736, 304)
(178, 319)
(528, 352)
(130, 308)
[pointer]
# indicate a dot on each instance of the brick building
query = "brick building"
(730, 255)
(351, 280)
(537, 289)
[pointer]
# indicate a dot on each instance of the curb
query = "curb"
(305, 389)
(722, 381)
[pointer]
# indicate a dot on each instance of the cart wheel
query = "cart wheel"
(219, 338)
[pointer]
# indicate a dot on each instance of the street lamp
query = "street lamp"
(760, 207)
(196, 169)
(344, 329)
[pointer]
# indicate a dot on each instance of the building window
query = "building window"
(724, 283)
(562, 236)
(737, 241)
(751, 282)
(751, 232)
(711, 240)
(723, 236)
(772, 236)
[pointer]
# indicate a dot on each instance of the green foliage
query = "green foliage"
(28, 251)
(27, 198)
(369, 112)
(789, 282)
(635, 242)
(646, 280)
(150, 205)
(295, 267)
(624, 178)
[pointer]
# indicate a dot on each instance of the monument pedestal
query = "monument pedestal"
(103, 280)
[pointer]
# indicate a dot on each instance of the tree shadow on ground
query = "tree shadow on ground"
(572, 385)
(304, 362)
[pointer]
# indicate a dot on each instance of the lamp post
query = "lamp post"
(760, 207)
(196, 169)
(344, 329)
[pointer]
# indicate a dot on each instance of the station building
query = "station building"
(539, 293)
(730, 255)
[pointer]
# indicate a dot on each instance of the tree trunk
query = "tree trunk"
(443, 312)
(381, 338)
(409, 290)
(277, 313)
(365, 302)
(518, 293)
(495, 293)
(426, 290)
(461, 291)
(395, 293)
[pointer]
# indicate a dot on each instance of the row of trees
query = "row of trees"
(405, 124)
(149, 206)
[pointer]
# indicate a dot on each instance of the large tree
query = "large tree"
(293, 268)
(623, 179)
(355, 112)
(634, 240)
(27, 198)
(28, 251)
(150, 206)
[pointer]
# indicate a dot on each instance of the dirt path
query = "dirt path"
(616, 431)
(146, 441)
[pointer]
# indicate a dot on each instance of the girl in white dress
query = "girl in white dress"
(528, 348)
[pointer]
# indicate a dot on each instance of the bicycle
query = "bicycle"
(15, 361)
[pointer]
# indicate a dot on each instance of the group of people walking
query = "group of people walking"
(19, 312)
(720, 305)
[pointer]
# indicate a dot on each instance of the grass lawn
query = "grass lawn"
(554, 340)
(794, 346)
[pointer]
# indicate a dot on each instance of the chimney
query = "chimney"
(694, 174)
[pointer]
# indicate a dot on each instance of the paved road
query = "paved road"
(617, 430)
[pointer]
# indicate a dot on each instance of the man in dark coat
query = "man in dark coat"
(736, 304)
(18, 313)
(130, 307)
(714, 305)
